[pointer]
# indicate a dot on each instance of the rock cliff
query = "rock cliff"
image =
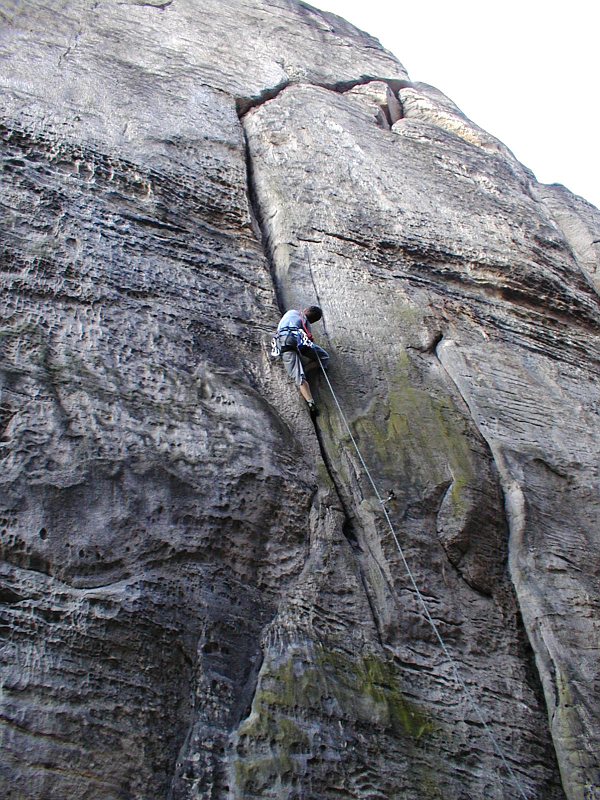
(199, 593)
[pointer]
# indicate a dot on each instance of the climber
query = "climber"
(294, 343)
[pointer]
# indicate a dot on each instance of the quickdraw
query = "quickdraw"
(295, 339)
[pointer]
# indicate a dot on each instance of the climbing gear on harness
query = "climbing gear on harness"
(453, 665)
(391, 496)
(304, 340)
(275, 347)
(312, 408)
(290, 338)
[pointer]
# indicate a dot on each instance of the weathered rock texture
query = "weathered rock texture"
(199, 594)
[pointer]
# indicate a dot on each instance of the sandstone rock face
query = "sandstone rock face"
(199, 593)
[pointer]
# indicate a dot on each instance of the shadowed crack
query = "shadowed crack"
(245, 104)
(258, 220)
(149, 4)
(539, 659)
(349, 524)
(348, 529)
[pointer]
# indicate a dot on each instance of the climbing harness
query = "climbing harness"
(454, 666)
(295, 338)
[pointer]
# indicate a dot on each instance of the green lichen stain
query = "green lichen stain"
(276, 739)
(457, 493)
(418, 436)
(365, 688)
(253, 776)
(274, 743)
(369, 689)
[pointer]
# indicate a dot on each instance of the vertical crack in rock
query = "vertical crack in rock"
(220, 609)
(271, 221)
(349, 531)
(257, 215)
(348, 526)
(541, 662)
(245, 105)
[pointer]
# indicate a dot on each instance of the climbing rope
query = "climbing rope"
(457, 676)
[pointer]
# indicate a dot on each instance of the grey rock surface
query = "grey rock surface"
(199, 596)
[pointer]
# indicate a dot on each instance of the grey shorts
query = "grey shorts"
(294, 362)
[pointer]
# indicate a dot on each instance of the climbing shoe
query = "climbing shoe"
(313, 410)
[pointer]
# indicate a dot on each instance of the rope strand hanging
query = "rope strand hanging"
(454, 666)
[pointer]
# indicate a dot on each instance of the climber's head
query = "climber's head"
(313, 313)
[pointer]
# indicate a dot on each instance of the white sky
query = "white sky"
(527, 71)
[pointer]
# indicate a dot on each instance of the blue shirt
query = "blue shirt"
(293, 319)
